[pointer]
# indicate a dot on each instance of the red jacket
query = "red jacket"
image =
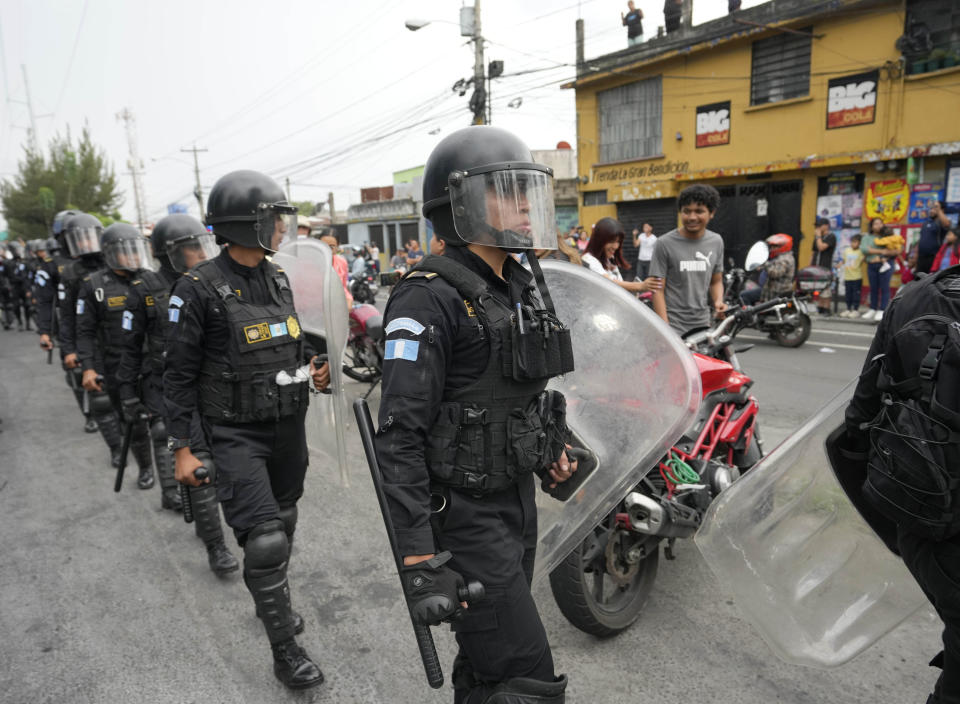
(954, 253)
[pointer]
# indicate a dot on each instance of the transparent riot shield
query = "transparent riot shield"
(803, 566)
(322, 309)
(634, 391)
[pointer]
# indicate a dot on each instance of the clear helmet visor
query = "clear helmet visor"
(186, 253)
(129, 255)
(83, 240)
(276, 225)
(508, 207)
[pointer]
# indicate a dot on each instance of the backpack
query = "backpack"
(913, 470)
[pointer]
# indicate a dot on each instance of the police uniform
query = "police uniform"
(101, 302)
(934, 564)
(46, 280)
(145, 327)
(95, 405)
(459, 432)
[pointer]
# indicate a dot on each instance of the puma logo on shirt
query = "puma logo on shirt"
(701, 262)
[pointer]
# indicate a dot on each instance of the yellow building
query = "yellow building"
(790, 109)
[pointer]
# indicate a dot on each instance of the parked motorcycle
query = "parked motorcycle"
(788, 323)
(603, 585)
(364, 287)
(363, 359)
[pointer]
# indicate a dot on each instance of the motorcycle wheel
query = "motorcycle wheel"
(794, 336)
(590, 597)
(356, 368)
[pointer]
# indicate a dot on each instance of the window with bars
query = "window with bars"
(594, 197)
(780, 67)
(630, 121)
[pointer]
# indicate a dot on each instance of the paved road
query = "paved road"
(106, 598)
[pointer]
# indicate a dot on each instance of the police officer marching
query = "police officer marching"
(101, 302)
(465, 422)
(234, 354)
(80, 237)
(179, 243)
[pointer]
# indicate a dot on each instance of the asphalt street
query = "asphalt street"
(106, 598)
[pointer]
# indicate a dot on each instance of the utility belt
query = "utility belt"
(228, 396)
(484, 450)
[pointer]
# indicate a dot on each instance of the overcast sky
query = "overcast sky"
(335, 95)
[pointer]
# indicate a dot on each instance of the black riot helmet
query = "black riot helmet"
(180, 241)
(125, 248)
(249, 209)
(53, 245)
(480, 185)
(60, 219)
(36, 245)
(80, 235)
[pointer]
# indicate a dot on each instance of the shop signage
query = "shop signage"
(616, 174)
(713, 124)
(852, 100)
(921, 198)
(888, 200)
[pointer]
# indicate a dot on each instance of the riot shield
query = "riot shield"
(802, 564)
(322, 309)
(634, 391)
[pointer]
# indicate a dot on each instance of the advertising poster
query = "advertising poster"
(713, 124)
(920, 198)
(953, 183)
(887, 200)
(852, 100)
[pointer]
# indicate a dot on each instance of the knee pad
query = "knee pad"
(100, 403)
(266, 548)
(158, 430)
(289, 517)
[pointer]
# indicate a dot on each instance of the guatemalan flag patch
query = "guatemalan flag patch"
(402, 349)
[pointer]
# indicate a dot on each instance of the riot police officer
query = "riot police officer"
(16, 284)
(80, 237)
(234, 353)
(179, 243)
(465, 422)
(46, 279)
(101, 302)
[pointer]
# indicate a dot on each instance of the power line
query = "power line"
(73, 54)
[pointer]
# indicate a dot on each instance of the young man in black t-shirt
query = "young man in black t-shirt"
(824, 246)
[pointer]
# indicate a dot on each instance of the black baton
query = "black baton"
(201, 473)
(428, 651)
(125, 450)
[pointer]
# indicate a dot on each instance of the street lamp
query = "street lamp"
(469, 27)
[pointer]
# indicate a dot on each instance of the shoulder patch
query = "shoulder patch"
(408, 350)
(408, 324)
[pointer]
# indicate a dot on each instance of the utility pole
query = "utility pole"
(333, 216)
(198, 192)
(470, 27)
(287, 181)
(34, 142)
(135, 164)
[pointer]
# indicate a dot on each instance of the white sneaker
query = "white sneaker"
(878, 316)
(868, 315)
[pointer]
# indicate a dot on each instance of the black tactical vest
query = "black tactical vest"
(110, 297)
(239, 384)
(504, 425)
(156, 299)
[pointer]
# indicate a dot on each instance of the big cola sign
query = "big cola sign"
(713, 124)
(852, 100)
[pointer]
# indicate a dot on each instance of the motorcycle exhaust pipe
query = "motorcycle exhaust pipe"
(667, 520)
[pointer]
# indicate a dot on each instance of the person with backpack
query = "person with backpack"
(902, 438)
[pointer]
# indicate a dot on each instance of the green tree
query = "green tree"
(76, 176)
(305, 207)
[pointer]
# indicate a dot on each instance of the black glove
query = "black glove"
(133, 410)
(433, 590)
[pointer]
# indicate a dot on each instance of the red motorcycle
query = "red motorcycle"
(363, 360)
(603, 585)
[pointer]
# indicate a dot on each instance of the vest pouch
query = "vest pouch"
(526, 440)
(442, 442)
(553, 416)
(541, 349)
(262, 394)
(292, 398)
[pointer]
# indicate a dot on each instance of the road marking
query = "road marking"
(843, 332)
(820, 343)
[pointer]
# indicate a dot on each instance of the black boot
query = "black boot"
(293, 666)
(521, 690)
(170, 493)
(140, 449)
(222, 561)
